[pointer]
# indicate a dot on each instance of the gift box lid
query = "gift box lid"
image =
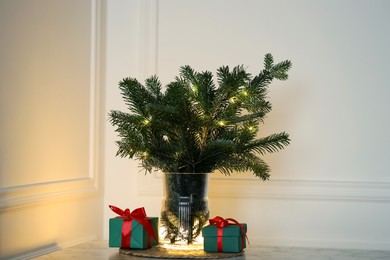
(229, 231)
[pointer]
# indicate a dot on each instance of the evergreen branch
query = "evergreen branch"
(247, 117)
(245, 162)
(268, 61)
(124, 149)
(196, 126)
(153, 84)
(229, 87)
(279, 71)
(260, 82)
(215, 151)
(259, 168)
(135, 95)
(189, 74)
(124, 120)
(270, 144)
(257, 106)
(205, 92)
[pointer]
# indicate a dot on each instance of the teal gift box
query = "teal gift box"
(233, 238)
(139, 236)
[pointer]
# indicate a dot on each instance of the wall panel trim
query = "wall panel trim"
(17, 197)
(379, 192)
(31, 194)
(148, 38)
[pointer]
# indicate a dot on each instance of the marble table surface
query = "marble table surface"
(99, 250)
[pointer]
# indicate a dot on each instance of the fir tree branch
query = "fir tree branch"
(270, 144)
(196, 126)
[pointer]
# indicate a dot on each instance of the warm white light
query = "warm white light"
(233, 100)
(178, 246)
(146, 122)
(182, 246)
(221, 123)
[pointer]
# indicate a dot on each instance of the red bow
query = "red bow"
(140, 216)
(220, 222)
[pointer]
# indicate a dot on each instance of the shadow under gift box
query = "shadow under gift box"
(139, 236)
(233, 238)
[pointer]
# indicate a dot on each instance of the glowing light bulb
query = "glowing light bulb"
(245, 93)
(233, 100)
(146, 122)
(221, 123)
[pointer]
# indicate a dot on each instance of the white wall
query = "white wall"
(49, 111)
(330, 187)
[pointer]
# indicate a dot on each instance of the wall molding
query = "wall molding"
(15, 197)
(148, 38)
(230, 187)
(285, 189)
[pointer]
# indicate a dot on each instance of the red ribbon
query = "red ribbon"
(140, 216)
(220, 222)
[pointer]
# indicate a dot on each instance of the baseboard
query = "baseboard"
(47, 249)
(323, 244)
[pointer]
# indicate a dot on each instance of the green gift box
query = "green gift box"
(233, 238)
(139, 236)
